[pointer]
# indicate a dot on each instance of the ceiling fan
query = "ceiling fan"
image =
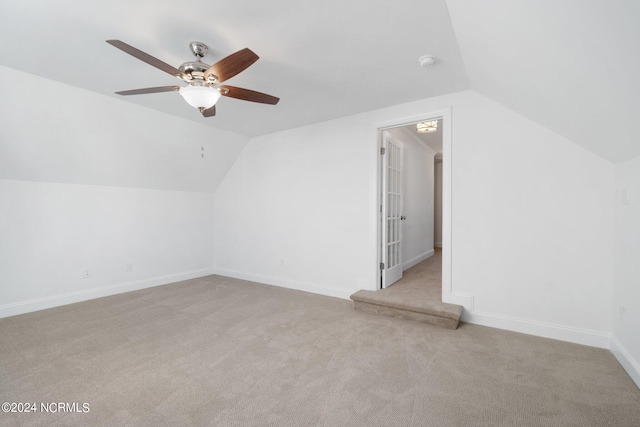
(203, 81)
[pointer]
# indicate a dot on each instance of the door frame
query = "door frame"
(447, 162)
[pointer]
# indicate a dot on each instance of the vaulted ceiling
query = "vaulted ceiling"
(570, 65)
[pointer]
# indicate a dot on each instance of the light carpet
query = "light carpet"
(417, 296)
(220, 351)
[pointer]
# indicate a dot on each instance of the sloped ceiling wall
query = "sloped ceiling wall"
(324, 60)
(75, 136)
(572, 65)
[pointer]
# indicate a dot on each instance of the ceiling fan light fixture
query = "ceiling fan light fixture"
(200, 96)
(202, 90)
(427, 127)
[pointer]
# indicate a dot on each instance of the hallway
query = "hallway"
(423, 281)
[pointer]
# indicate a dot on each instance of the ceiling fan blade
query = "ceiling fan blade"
(232, 64)
(145, 57)
(209, 112)
(149, 90)
(248, 95)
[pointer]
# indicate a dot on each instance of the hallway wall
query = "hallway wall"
(437, 196)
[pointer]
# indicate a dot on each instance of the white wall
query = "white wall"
(88, 181)
(437, 197)
(51, 232)
(418, 196)
(75, 136)
(626, 287)
(294, 209)
(532, 226)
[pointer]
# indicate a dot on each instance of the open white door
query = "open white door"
(391, 210)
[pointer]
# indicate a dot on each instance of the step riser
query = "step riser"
(443, 322)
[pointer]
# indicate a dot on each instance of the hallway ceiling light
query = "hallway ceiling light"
(427, 127)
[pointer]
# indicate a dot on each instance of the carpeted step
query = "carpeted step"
(434, 313)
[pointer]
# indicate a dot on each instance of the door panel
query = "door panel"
(391, 210)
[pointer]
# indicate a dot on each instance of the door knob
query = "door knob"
(403, 217)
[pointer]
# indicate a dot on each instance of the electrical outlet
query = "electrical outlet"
(129, 267)
(86, 273)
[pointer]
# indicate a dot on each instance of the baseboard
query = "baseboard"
(417, 260)
(284, 283)
(627, 361)
(554, 331)
(437, 245)
(528, 326)
(84, 295)
(541, 329)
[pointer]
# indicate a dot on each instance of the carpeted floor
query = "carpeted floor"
(417, 296)
(423, 279)
(219, 351)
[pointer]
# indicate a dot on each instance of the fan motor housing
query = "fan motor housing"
(191, 66)
(195, 69)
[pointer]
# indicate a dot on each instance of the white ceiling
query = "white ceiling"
(324, 59)
(570, 65)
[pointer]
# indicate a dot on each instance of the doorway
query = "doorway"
(412, 222)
